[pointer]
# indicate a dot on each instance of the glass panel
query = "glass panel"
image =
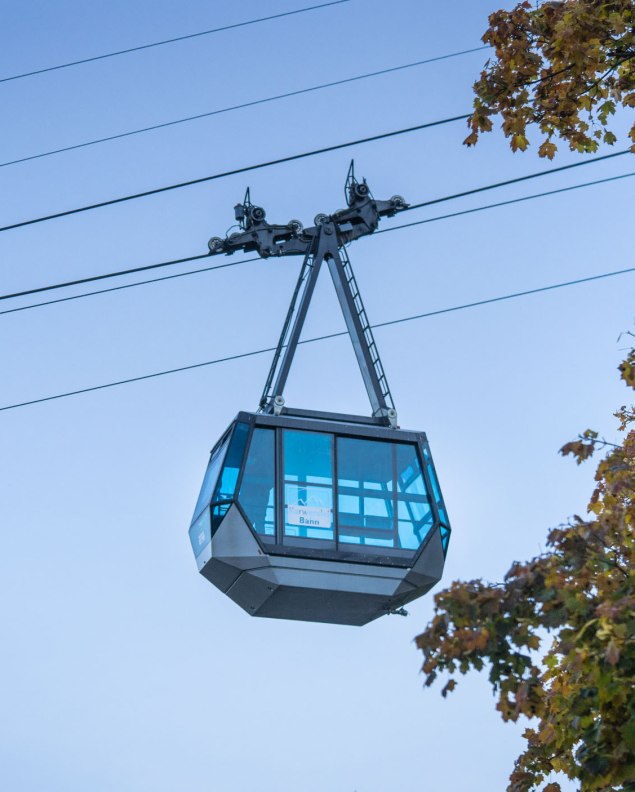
(308, 511)
(445, 538)
(364, 462)
(308, 457)
(366, 510)
(211, 474)
(308, 491)
(227, 483)
(433, 476)
(257, 490)
(200, 533)
(413, 506)
(443, 517)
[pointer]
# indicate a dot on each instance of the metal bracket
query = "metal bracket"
(325, 241)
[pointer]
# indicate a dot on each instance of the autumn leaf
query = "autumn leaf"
(448, 688)
(612, 654)
(547, 149)
(562, 68)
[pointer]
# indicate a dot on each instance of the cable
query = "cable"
(313, 153)
(515, 180)
(504, 203)
(112, 275)
(171, 40)
(245, 261)
(238, 107)
(263, 351)
(128, 285)
(245, 169)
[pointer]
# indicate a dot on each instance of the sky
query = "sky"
(121, 667)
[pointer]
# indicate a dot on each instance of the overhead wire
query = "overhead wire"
(119, 273)
(241, 106)
(172, 40)
(131, 285)
(234, 172)
(507, 202)
(252, 353)
(313, 153)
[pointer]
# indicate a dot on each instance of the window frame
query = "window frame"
(334, 550)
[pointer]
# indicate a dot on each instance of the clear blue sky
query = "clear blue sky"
(123, 669)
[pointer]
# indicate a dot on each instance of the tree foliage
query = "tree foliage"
(558, 635)
(563, 67)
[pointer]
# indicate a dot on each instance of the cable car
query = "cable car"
(312, 515)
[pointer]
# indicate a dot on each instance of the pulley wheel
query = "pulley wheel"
(361, 190)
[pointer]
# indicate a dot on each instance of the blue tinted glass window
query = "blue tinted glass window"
(366, 499)
(218, 511)
(414, 512)
(227, 482)
(200, 533)
(443, 517)
(308, 485)
(211, 475)
(257, 490)
(308, 457)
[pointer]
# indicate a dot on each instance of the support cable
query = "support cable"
(129, 285)
(234, 172)
(171, 40)
(231, 108)
(508, 202)
(313, 153)
(257, 258)
(252, 353)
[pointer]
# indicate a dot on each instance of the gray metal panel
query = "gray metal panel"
(336, 426)
(330, 607)
(429, 566)
(329, 581)
(337, 567)
(250, 592)
(204, 556)
(234, 542)
(220, 574)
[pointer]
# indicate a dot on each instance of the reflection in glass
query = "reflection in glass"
(308, 485)
(382, 498)
(366, 509)
(308, 457)
(413, 509)
(257, 490)
(211, 474)
(443, 517)
(227, 483)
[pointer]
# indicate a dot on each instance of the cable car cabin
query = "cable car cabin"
(320, 517)
(312, 515)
